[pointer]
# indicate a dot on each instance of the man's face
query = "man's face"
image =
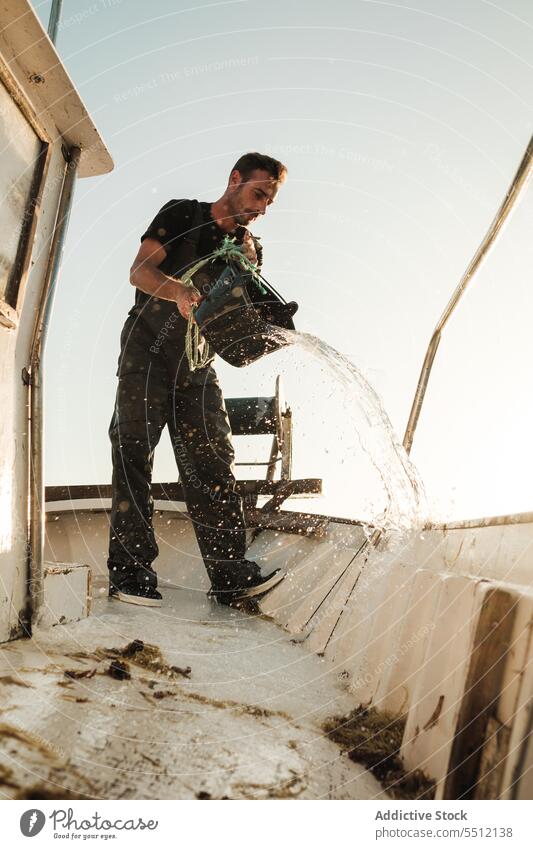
(252, 198)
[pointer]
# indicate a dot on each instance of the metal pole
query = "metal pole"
(53, 22)
(510, 201)
(37, 515)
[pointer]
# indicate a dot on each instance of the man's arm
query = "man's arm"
(146, 276)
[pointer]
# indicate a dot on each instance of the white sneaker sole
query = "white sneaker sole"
(136, 599)
(262, 588)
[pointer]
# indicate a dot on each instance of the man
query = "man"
(156, 388)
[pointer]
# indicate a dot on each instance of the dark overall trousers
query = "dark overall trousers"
(155, 390)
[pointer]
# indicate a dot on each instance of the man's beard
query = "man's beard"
(240, 215)
(245, 218)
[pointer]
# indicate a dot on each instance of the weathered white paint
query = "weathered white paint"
(15, 346)
(20, 148)
(503, 552)
(395, 624)
(436, 697)
(83, 537)
(246, 724)
(407, 652)
(310, 580)
(44, 105)
(67, 594)
(35, 69)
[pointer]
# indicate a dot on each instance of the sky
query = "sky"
(402, 125)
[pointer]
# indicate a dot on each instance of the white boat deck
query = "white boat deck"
(245, 724)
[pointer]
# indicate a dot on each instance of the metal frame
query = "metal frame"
(34, 377)
(281, 448)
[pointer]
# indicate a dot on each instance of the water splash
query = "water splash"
(356, 428)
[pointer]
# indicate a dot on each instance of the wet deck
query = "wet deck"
(244, 724)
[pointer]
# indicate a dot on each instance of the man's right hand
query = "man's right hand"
(186, 298)
(146, 275)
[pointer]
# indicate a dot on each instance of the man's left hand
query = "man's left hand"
(248, 248)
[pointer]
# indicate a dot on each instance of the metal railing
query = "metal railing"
(510, 201)
(54, 19)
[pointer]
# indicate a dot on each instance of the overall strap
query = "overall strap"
(198, 354)
(188, 249)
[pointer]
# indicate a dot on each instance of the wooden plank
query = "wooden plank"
(492, 765)
(287, 522)
(481, 693)
(173, 491)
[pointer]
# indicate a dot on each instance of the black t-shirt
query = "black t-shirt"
(174, 222)
(177, 223)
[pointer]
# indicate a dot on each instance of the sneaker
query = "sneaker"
(131, 592)
(252, 584)
(135, 586)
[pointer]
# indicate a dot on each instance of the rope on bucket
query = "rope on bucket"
(197, 350)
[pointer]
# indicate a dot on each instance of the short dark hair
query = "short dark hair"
(252, 161)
